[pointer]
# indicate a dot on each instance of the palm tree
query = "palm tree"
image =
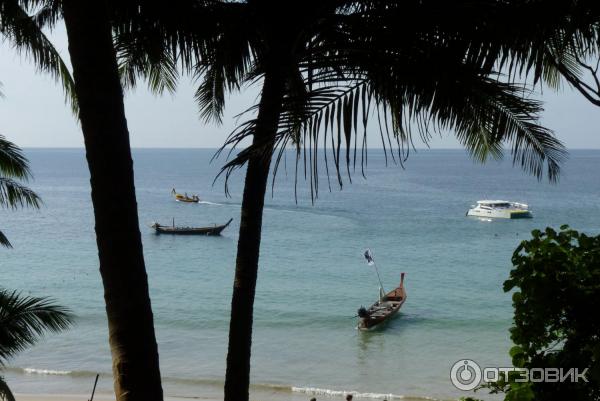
(102, 114)
(14, 166)
(23, 320)
(26, 37)
(326, 70)
(327, 67)
(100, 100)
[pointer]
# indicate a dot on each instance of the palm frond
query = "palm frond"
(158, 69)
(485, 114)
(12, 161)
(4, 241)
(24, 319)
(225, 69)
(13, 195)
(25, 34)
(5, 393)
(158, 44)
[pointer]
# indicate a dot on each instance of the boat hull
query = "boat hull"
(188, 200)
(190, 231)
(214, 230)
(383, 310)
(500, 214)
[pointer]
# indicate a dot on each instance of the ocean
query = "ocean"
(312, 275)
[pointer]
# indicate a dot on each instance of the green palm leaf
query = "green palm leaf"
(4, 241)
(13, 195)
(25, 33)
(12, 161)
(13, 164)
(24, 319)
(5, 393)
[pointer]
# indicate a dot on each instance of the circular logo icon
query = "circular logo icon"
(465, 374)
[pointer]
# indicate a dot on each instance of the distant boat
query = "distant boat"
(185, 197)
(210, 230)
(500, 209)
(382, 310)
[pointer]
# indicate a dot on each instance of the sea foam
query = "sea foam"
(33, 371)
(356, 394)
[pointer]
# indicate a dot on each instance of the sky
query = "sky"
(33, 112)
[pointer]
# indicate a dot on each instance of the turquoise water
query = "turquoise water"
(312, 275)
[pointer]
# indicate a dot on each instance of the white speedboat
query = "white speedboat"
(500, 209)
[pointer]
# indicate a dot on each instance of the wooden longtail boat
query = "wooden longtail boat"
(387, 306)
(210, 230)
(185, 198)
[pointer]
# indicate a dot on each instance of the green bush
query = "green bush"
(556, 278)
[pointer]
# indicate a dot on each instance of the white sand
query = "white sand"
(262, 396)
(83, 397)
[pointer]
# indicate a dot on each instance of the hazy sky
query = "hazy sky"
(33, 113)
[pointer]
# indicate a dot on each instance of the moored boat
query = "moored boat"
(500, 209)
(382, 310)
(209, 230)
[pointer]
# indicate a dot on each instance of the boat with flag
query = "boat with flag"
(185, 197)
(388, 304)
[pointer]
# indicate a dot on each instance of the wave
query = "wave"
(210, 203)
(33, 371)
(51, 372)
(219, 383)
(356, 394)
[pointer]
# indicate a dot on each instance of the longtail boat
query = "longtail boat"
(382, 310)
(185, 198)
(210, 230)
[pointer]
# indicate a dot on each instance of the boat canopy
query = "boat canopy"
(495, 203)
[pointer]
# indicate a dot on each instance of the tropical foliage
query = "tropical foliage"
(23, 31)
(14, 167)
(328, 67)
(23, 321)
(556, 286)
(98, 90)
(556, 276)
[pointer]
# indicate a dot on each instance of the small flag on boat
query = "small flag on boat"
(369, 257)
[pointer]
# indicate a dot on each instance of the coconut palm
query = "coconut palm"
(98, 93)
(325, 69)
(14, 167)
(328, 67)
(23, 321)
(24, 34)
(102, 114)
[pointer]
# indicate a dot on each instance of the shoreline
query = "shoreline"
(55, 385)
(79, 397)
(64, 385)
(275, 395)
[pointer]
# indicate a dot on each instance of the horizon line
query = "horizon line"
(217, 148)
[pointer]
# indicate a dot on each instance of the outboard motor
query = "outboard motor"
(363, 312)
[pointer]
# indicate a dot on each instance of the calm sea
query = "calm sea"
(312, 275)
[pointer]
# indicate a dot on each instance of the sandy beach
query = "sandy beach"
(80, 397)
(255, 396)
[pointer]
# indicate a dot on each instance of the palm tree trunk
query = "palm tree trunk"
(102, 114)
(237, 378)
